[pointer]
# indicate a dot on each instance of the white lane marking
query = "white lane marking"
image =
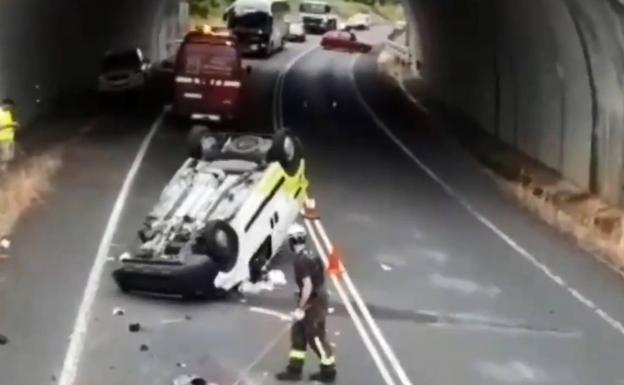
(617, 325)
(385, 346)
(372, 349)
(272, 313)
(411, 97)
(79, 333)
(278, 90)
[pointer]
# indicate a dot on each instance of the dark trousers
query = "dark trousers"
(310, 332)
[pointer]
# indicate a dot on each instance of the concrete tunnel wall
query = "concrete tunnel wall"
(51, 48)
(544, 76)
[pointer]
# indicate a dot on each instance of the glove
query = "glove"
(298, 314)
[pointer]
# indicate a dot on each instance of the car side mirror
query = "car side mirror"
(248, 69)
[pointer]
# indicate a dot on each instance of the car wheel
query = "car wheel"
(219, 241)
(287, 150)
(195, 137)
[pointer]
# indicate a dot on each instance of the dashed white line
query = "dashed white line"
(81, 324)
(617, 325)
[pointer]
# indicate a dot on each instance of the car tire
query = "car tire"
(219, 241)
(287, 150)
(194, 140)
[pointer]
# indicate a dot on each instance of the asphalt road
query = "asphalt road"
(464, 287)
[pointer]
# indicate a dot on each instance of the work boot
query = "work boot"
(291, 373)
(327, 374)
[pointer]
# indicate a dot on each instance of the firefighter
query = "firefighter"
(308, 330)
(7, 134)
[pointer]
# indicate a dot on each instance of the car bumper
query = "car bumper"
(210, 113)
(121, 86)
(186, 280)
(296, 37)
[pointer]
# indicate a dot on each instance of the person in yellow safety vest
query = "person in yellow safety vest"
(8, 126)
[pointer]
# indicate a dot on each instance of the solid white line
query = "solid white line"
(617, 325)
(411, 97)
(372, 349)
(278, 90)
(77, 338)
(385, 346)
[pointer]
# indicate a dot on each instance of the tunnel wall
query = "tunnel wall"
(543, 76)
(50, 49)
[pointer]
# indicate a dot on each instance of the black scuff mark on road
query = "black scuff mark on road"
(426, 318)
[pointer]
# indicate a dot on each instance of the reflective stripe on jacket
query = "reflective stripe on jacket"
(7, 126)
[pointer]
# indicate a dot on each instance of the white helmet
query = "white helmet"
(297, 236)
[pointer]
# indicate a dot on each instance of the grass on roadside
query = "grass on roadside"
(24, 187)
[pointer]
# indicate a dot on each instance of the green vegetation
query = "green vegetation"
(211, 11)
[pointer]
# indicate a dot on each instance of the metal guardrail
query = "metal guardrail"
(400, 52)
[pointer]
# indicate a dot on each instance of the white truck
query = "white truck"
(221, 219)
(317, 16)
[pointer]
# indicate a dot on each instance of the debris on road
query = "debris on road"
(385, 267)
(273, 278)
(118, 311)
(134, 327)
(143, 348)
(188, 317)
(242, 300)
(334, 104)
(186, 379)
(331, 310)
(173, 320)
(336, 333)
(5, 245)
(125, 256)
(181, 365)
(3, 339)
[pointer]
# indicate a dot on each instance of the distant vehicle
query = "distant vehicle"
(221, 219)
(296, 32)
(345, 41)
(359, 21)
(260, 25)
(125, 70)
(317, 16)
(208, 77)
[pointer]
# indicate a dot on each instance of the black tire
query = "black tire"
(195, 136)
(287, 150)
(219, 242)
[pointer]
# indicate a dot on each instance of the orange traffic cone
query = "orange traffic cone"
(309, 210)
(335, 266)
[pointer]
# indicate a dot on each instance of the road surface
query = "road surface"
(460, 285)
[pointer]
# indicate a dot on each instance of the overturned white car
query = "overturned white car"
(222, 217)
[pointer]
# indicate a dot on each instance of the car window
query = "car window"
(205, 60)
(317, 8)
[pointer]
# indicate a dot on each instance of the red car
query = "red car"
(208, 77)
(343, 41)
